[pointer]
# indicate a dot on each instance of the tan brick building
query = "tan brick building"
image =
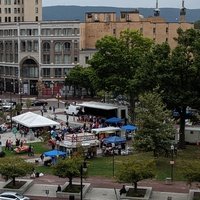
(20, 10)
(100, 24)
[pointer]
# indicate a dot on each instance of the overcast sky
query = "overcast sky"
(190, 4)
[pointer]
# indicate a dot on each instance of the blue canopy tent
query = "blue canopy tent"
(55, 153)
(129, 127)
(113, 120)
(114, 139)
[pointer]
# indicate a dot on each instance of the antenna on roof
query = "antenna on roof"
(182, 12)
(156, 10)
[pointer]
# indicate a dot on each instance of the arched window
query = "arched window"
(58, 47)
(46, 47)
(67, 46)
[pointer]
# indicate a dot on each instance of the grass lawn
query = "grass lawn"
(103, 166)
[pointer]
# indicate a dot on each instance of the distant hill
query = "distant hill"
(78, 12)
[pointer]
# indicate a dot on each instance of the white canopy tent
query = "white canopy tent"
(32, 120)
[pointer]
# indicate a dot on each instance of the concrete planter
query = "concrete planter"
(21, 190)
(146, 197)
(66, 195)
(191, 194)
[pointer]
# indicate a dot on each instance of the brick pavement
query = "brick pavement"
(101, 182)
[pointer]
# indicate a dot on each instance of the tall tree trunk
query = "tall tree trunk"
(14, 181)
(70, 181)
(182, 128)
(135, 186)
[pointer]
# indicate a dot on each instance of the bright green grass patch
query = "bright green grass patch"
(103, 166)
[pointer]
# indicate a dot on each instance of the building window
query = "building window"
(35, 46)
(46, 58)
(58, 47)
(36, 2)
(67, 31)
(46, 72)
(67, 59)
(67, 47)
(46, 32)
(123, 15)
(167, 30)
(154, 30)
(36, 18)
(58, 72)
(58, 59)
(46, 47)
(23, 46)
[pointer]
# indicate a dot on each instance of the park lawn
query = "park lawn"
(103, 166)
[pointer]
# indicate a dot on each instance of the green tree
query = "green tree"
(133, 171)
(13, 167)
(197, 24)
(191, 171)
(155, 126)
(80, 77)
(28, 103)
(68, 168)
(179, 81)
(116, 62)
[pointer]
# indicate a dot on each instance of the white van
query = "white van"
(72, 109)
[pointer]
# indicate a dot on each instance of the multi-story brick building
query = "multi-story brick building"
(36, 55)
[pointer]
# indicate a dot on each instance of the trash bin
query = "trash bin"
(71, 197)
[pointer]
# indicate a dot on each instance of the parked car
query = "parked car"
(12, 195)
(72, 109)
(39, 103)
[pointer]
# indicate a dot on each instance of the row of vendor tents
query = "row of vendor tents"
(33, 120)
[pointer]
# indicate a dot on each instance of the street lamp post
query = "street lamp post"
(83, 169)
(65, 86)
(113, 151)
(20, 91)
(172, 162)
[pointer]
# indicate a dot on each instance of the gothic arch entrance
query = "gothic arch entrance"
(29, 74)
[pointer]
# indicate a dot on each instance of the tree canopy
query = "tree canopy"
(116, 62)
(133, 171)
(13, 167)
(155, 126)
(179, 79)
(68, 168)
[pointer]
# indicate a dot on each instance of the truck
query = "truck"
(105, 110)
(72, 109)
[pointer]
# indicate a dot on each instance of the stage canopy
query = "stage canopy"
(33, 120)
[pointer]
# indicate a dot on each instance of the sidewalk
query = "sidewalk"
(103, 188)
